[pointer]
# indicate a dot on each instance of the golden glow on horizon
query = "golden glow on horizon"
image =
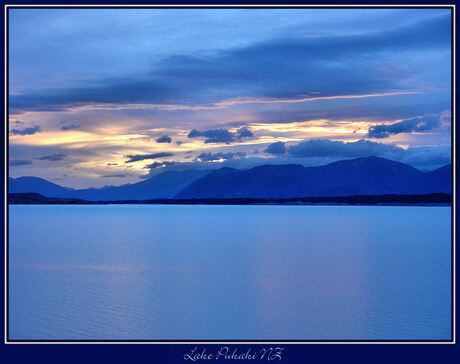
(134, 136)
(145, 144)
(124, 137)
(112, 143)
(55, 138)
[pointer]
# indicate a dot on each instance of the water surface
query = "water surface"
(127, 272)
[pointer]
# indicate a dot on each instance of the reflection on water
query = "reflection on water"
(229, 272)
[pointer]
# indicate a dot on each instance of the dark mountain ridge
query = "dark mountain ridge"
(360, 176)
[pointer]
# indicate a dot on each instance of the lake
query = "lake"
(165, 272)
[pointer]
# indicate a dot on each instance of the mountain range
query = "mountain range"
(360, 176)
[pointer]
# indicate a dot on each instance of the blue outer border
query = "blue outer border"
(174, 353)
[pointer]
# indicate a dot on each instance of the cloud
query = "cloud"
(427, 158)
(164, 139)
(120, 175)
(52, 157)
(289, 67)
(26, 131)
(213, 136)
(277, 148)
(244, 132)
(160, 164)
(418, 124)
(104, 91)
(70, 127)
(19, 162)
(330, 148)
(221, 135)
(141, 157)
(217, 156)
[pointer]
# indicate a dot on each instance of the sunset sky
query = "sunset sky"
(112, 96)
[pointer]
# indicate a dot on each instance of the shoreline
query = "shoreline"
(433, 199)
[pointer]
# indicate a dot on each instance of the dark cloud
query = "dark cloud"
(281, 68)
(164, 139)
(107, 91)
(26, 131)
(213, 136)
(70, 127)
(291, 67)
(120, 175)
(221, 135)
(19, 162)
(141, 157)
(244, 132)
(418, 124)
(52, 157)
(112, 164)
(160, 164)
(330, 148)
(217, 156)
(277, 148)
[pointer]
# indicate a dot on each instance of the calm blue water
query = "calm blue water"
(229, 272)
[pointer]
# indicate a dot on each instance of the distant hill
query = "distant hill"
(436, 181)
(164, 185)
(37, 185)
(360, 176)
